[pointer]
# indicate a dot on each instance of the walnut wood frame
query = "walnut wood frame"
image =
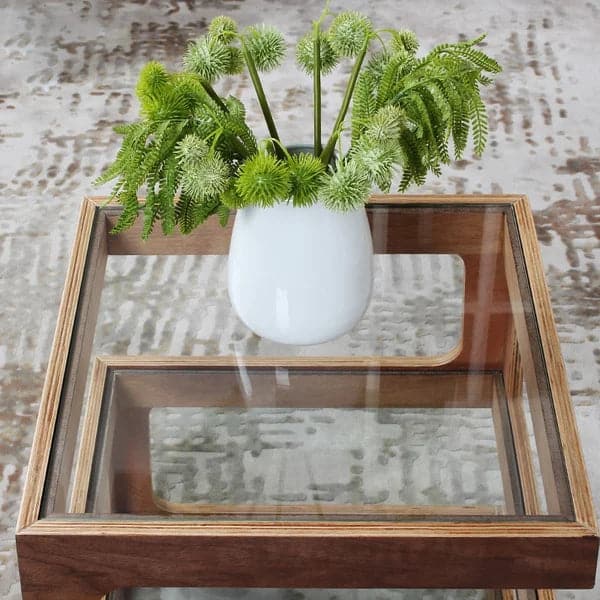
(84, 556)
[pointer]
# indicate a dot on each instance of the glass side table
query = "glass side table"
(434, 446)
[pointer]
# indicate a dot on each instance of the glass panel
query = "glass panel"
(300, 594)
(178, 305)
(327, 459)
(538, 484)
(407, 416)
(246, 440)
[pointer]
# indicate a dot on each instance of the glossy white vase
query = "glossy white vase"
(300, 275)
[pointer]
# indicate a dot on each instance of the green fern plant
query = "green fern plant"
(195, 155)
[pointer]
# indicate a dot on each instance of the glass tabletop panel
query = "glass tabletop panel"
(419, 412)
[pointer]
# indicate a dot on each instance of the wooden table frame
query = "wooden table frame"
(71, 556)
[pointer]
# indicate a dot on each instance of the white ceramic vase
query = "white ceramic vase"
(300, 275)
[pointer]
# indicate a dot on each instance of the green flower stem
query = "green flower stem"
(337, 128)
(214, 96)
(262, 99)
(317, 88)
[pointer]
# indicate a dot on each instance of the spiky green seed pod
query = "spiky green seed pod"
(405, 41)
(208, 58)
(349, 32)
(236, 61)
(206, 178)
(377, 160)
(305, 54)
(263, 180)
(306, 174)
(266, 46)
(385, 124)
(152, 80)
(347, 188)
(191, 150)
(224, 29)
(377, 63)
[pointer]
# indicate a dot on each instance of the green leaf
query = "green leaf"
(166, 197)
(479, 123)
(130, 212)
(184, 214)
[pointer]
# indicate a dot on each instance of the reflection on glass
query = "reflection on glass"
(371, 436)
(178, 305)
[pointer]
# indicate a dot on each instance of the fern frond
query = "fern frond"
(364, 103)
(131, 207)
(134, 142)
(184, 213)
(169, 184)
(414, 170)
(479, 123)
(466, 51)
(438, 114)
(204, 209)
(483, 61)
(459, 124)
(151, 207)
(390, 76)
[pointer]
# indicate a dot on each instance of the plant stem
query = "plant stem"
(317, 88)
(328, 151)
(214, 96)
(262, 99)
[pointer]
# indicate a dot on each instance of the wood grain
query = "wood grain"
(153, 553)
(57, 365)
(324, 511)
(513, 388)
(76, 372)
(89, 434)
(511, 484)
(396, 228)
(569, 436)
(558, 499)
(297, 384)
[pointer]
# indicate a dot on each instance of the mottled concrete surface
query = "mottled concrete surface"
(67, 72)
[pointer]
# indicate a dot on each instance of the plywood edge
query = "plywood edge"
(76, 525)
(565, 416)
(513, 385)
(321, 510)
(87, 445)
(48, 409)
(364, 362)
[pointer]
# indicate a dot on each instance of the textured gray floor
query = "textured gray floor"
(67, 70)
